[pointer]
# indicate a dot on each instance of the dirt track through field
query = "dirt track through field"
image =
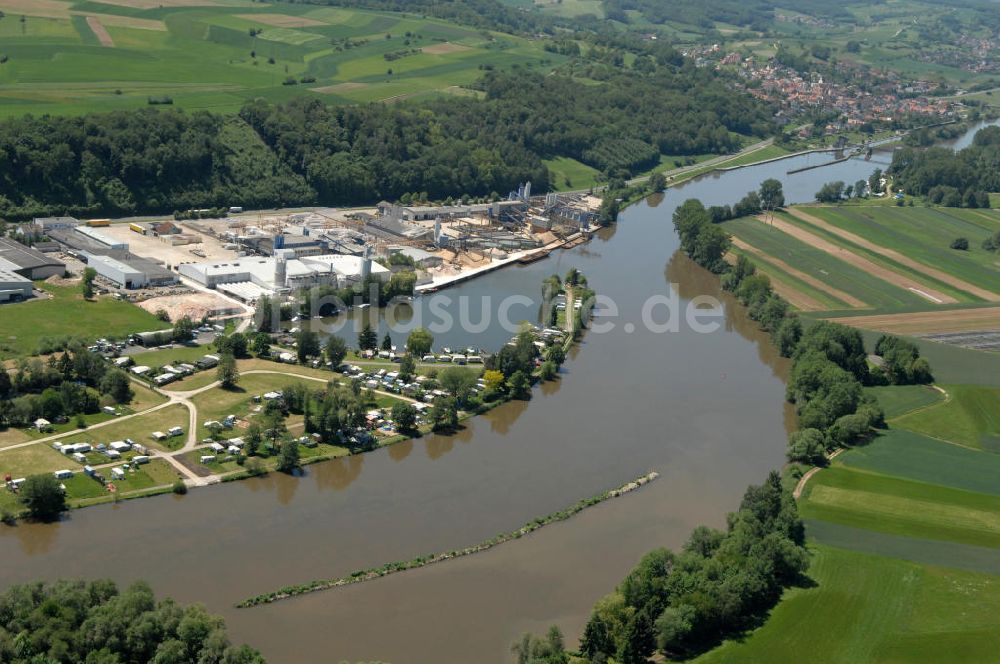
(796, 298)
(859, 262)
(943, 277)
(846, 298)
(955, 320)
(100, 31)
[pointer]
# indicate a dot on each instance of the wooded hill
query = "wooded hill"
(306, 153)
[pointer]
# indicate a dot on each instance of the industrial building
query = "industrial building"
(250, 278)
(102, 238)
(56, 223)
(28, 262)
(130, 273)
(13, 286)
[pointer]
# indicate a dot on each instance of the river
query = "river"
(705, 410)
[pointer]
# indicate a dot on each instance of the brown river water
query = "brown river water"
(705, 410)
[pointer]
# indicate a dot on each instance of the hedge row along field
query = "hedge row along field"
(423, 561)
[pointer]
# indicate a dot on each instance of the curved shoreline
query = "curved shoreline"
(422, 561)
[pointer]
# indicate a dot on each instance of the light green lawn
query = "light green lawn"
(971, 417)
(897, 400)
(67, 313)
(867, 609)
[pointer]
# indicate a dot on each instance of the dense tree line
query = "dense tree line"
(304, 152)
(94, 622)
(137, 161)
(76, 382)
(720, 583)
(950, 178)
(756, 14)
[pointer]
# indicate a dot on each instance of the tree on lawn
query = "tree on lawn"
(117, 385)
(419, 342)
(43, 496)
(386, 342)
(407, 368)
(87, 286)
(288, 460)
(367, 339)
(336, 350)
(519, 385)
(306, 345)
(444, 414)
(405, 417)
(227, 373)
(771, 194)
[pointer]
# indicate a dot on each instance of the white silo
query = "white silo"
(280, 271)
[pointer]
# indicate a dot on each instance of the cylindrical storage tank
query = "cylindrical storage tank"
(280, 270)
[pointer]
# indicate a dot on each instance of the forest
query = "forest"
(95, 622)
(304, 152)
(950, 178)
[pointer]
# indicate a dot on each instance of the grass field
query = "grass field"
(205, 57)
(899, 399)
(139, 429)
(67, 313)
(971, 417)
(868, 608)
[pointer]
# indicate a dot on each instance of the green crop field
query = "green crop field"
(971, 417)
(924, 234)
(219, 55)
(852, 497)
(67, 313)
(820, 265)
(907, 455)
(899, 399)
(867, 608)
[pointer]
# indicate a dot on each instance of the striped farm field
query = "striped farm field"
(922, 235)
(850, 497)
(898, 400)
(877, 263)
(819, 265)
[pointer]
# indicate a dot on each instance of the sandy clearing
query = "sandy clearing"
(902, 259)
(194, 305)
(956, 320)
(816, 283)
(40, 8)
(796, 298)
(282, 20)
(851, 258)
(100, 32)
(445, 48)
(339, 87)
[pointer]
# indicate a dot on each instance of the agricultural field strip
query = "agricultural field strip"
(944, 277)
(845, 298)
(843, 253)
(783, 284)
(833, 270)
(951, 320)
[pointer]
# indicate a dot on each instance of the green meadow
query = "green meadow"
(102, 317)
(970, 417)
(217, 57)
(903, 533)
(867, 608)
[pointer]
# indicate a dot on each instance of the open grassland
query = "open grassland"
(777, 248)
(67, 313)
(867, 608)
(859, 499)
(897, 400)
(970, 417)
(907, 455)
(32, 460)
(201, 54)
(921, 235)
(569, 174)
